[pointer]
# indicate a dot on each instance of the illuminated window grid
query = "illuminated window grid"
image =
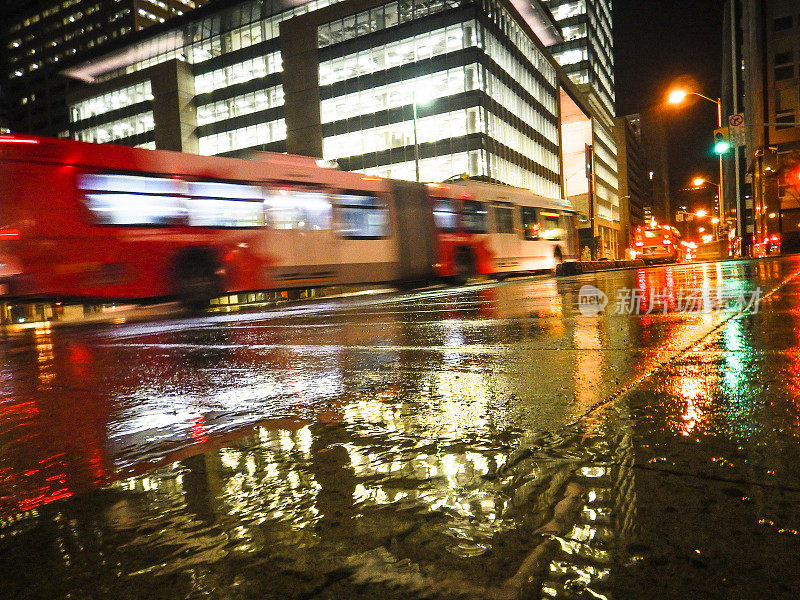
(254, 68)
(100, 105)
(117, 130)
(379, 18)
(434, 128)
(244, 104)
(204, 45)
(245, 137)
(399, 53)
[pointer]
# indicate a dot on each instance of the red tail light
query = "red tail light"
(9, 234)
(640, 244)
(667, 242)
(13, 139)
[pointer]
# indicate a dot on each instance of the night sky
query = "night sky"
(658, 43)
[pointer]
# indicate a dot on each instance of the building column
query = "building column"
(174, 111)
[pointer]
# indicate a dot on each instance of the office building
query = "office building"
(586, 55)
(40, 36)
(761, 81)
(635, 175)
(389, 89)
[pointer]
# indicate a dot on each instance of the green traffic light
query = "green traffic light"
(721, 147)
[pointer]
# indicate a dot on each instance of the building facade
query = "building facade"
(392, 89)
(761, 80)
(635, 176)
(587, 56)
(41, 36)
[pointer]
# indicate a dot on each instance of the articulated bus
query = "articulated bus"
(105, 222)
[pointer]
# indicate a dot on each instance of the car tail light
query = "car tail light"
(640, 244)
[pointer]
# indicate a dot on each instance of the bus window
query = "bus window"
(550, 225)
(215, 204)
(445, 215)
(474, 217)
(360, 216)
(297, 209)
(133, 200)
(503, 218)
(531, 229)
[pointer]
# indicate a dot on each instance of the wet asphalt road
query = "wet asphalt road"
(489, 441)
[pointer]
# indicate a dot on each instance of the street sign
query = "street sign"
(736, 124)
(736, 120)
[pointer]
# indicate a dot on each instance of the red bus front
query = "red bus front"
(110, 222)
(656, 243)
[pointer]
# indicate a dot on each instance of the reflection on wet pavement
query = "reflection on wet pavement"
(485, 442)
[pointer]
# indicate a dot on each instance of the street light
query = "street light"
(701, 213)
(418, 96)
(676, 97)
(698, 181)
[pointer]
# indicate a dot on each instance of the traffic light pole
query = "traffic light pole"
(721, 207)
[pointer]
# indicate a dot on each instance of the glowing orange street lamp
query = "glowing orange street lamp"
(701, 213)
(677, 96)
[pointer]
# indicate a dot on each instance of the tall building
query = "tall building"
(39, 36)
(386, 88)
(654, 142)
(635, 175)
(587, 56)
(761, 81)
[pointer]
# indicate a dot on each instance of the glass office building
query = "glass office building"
(445, 88)
(586, 55)
(437, 86)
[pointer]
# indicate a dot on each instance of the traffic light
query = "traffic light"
(722, 140)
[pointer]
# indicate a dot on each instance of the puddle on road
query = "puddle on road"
(416, 450)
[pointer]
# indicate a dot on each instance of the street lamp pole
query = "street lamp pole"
(676, 97)
(416, 140)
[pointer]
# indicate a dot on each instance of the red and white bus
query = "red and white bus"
(109, 222)
(656, 243)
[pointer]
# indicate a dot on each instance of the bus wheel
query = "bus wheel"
(464, 264)
(558, 257)
(196, 280)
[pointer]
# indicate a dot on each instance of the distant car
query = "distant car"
(770, 245)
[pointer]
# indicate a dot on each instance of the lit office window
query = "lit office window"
(240, 105)
(116, 130)
(99, 105)
(395, 54)
(403, 93)
(254, 68)
(246, 137)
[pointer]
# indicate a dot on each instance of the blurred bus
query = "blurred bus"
(106, 222)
